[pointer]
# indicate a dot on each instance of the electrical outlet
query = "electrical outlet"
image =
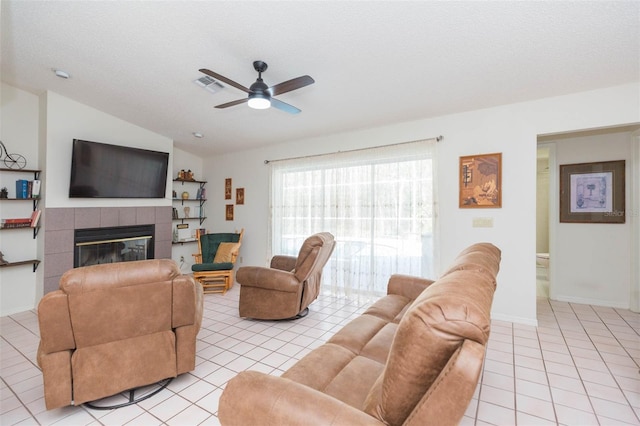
(181, 258)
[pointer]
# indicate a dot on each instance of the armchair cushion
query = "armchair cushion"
(225, 252)
(199, 267)
(211, 242)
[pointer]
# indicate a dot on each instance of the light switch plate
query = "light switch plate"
(482, 222)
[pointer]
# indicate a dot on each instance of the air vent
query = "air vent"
(209, 83)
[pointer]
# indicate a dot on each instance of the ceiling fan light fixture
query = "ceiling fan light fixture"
(259, 101)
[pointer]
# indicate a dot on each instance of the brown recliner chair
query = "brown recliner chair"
(285, 290)
(115, 327)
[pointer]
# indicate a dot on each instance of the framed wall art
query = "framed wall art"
(239, 195)
(592, 192)
(228, 212)
(227, 189)
(480, 181)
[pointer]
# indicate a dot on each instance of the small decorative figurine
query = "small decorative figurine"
(2, 260)
(187, 210)
(4, 193)
(185, 195)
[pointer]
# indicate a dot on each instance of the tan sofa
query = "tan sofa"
(413, 358)
(114, 327)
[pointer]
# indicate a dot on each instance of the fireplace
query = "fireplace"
(113, 244)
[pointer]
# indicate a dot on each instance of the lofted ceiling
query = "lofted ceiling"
(374, 62)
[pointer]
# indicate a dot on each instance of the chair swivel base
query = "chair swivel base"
(132, 399)
(303, 313)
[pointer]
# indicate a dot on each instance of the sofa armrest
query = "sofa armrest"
(254, 398)
(54, 321)
(56, 376)
(187, 320)
(407, 286)
(283, 263)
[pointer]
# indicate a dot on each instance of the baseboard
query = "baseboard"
(585, 301)
(514, 319)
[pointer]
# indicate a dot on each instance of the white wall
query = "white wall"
(592, 262)
(19, 127)
(510, 129)
(67, 120)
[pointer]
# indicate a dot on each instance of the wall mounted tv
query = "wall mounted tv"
(100, 170)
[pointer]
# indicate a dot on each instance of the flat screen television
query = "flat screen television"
(100, 170)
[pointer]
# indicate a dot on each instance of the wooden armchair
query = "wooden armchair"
(215, 260)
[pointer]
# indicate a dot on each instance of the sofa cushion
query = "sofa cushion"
(390, 308)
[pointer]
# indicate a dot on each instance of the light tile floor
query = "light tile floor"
(578, 367)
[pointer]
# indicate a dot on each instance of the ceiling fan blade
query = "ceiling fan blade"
(233, 103)
(224, 79)
(283, 106)
(289, 85)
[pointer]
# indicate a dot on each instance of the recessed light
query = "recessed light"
(198, 135)
(61, 74)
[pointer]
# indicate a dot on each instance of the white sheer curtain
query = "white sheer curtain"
(379, 203)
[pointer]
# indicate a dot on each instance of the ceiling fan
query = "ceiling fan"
(260, 95)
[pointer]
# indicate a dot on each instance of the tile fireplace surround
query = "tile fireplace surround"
(60, 224)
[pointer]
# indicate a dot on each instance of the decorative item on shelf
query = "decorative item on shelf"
(188, 175)
(175, 213)
(22, 189)
(184, 233)
(23, 222)
(181, 174)
(185, 195)
(4, 192)
(2, 260)
(35, 188)
(187, 210)
(174, 194)
(35, 217)
(12, 161)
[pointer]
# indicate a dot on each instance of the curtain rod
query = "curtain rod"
(437, 138)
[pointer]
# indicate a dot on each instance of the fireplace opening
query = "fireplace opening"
(113, 244)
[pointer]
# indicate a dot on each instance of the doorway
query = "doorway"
(588, 263)
(542, 222)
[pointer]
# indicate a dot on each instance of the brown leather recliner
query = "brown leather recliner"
(114, 327)
(286, 289)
